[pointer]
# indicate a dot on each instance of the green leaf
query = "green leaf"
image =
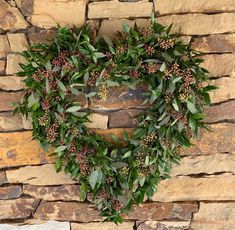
(191, 107)
(127, 154)
(61, 85)
(163, 67)
(91, 94)
(60, 148)
(99, 55)
(175, 105)
(176, 80)
(112, 83)
(73, 109)
(141, 181)
(93, 178)
(108, 40)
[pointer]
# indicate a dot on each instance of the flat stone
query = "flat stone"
(37, 35)
(50, 225)
(196, 189)
(18, 148)
(205, 164)
(163, 211)
(18, 208)
(225, 91)
(98, 121)
(3, 178)
(111, 26)
(219, 65)
(38, 175)
(67, 211)
(11, 83)
(8, 122)
(108, 9)
(27, 123)
(49, 13)
(2, 66)
(221, 112)
(7, 98)
(4, 46)
(216, 216)
(18, 42)
(215, 43)
(163, 225)
(200, 24)
(120, 98)
(221, 139)
(103, 226)
(63, 192)
(10, 192)
(13, 61)
(124, 118)
(26, 6)
(81, 99)
(193, 6)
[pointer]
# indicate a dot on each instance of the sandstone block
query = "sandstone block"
(4, 46)
(215, 43)
(26, 6)
(207, 164)
(18, 208)
(196, 189)
(108, 9)
(3, 178)
(7, 99)
(163, 225)
(47, 13)
(27, 123)
(64, 192)
(124, 118)
(221, 112)
(194, 6)
(8, 122)
(11, 18)
(67, 211)
(98, 121)
(219, 65)
(163, 211)
(18, 148)
(38, 175)
(50, 225)
(18, 42)
(216, 216)
(2, 66)
(225, 91)
(37, 35)
(10, 192)
(103, 226)
(13, 61)
(11, 83)
(200, 24)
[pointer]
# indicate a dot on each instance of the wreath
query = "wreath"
(117, 175)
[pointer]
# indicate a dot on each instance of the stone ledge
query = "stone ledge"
(11, 83)
(8, 122)
(7, 98)
(10, 192)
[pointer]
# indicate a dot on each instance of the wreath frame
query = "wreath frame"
(118, 176)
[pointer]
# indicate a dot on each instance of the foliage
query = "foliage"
(118, 176)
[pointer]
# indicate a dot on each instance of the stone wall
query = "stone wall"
(201, 193)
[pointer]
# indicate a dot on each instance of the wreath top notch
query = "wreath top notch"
(117, 176)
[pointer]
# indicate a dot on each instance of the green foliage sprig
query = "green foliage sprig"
(117, 176)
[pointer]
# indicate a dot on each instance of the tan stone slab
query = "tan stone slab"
(8, 122)
(225, 91)
(18, 208)
(63, 192)
(211, 188)
(193, 6)
(37, 35)
(18, 149)
(7, 98)
(221, 112)
(102, 226)
(38, 175)
(10, 192)
(163, 225)
(200, 24)
(219, 65)
(215, 43)
(11, 18)
(2, 66)
(221, 139)
(13, 61)
(4, 46)
(163, 211)
(205, 164)
(18, 42)
(3, 178)
(47, 13)
(216, 216)
(11, 83)
(98, 121)
(116, 9)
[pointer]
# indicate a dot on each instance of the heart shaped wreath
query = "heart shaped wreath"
(118, 176)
